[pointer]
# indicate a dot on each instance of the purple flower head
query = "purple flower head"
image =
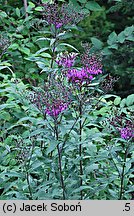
(66, 60)
(108, 83)
(56, 108)
(126, 133)
(92, 64)
(78, 76)
(58, 25)
(93, 70)
(124, 126)
(57, 98)
(91, 77)
(91, 61)
(53, 100)
(61, 16)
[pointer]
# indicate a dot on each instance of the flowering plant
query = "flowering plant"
(62, 16)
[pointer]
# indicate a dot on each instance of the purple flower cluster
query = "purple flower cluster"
(108, 83)
(78, 76)
(66, 60)
(54, 99)
(61, 16)
(124, 126)
(91, 66)
(126, 133)
(92, 63)
(93, 69)
(56, 108)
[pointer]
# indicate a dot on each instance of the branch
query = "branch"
(25, 7)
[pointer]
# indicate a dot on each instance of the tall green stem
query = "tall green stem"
(49, 78)
(60, 161)
(122, 175)
(53, 49)
(29, 187)
(80, 146)
(27, 167)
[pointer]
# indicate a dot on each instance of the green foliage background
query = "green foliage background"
(112, 16)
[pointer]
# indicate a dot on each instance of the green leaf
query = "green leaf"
(93, 6)
(97, 43)
(42, 50)
(5, 63)
(13, 174)
(112, 38)
(31, 4)
(75, 3)
(31, 119)
(82, 1)
(52, 41)
(33, 58)
(65, 44)
(14, 46)
(129, 30)
(121, 37)
(118, 0)
(114, 194)
(5, 116)
(53, 144)
(128, 166)
(117, 101)
(123, 103)
(91, 168)
(18, 12)
(39, 8)
(29, 10)
(47, 1)
(114, 46)
(81, 188)
(3, 106)
(44, 38)
(3, 67)
(3, 14)
(41, 64)
(45, 55)
(130, 38)
(130, 100)
(25, 50)
(36, 164)
(37, 132)
(85, 11)
(109, 96)
(106, 51)
(91, 149)
(18, 36)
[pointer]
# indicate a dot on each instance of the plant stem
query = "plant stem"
(80, 146)
(53, 49)
(25, 6)
(61, 176)
(27, 166)
(29, 187)
(122, 175)
(60, 161)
